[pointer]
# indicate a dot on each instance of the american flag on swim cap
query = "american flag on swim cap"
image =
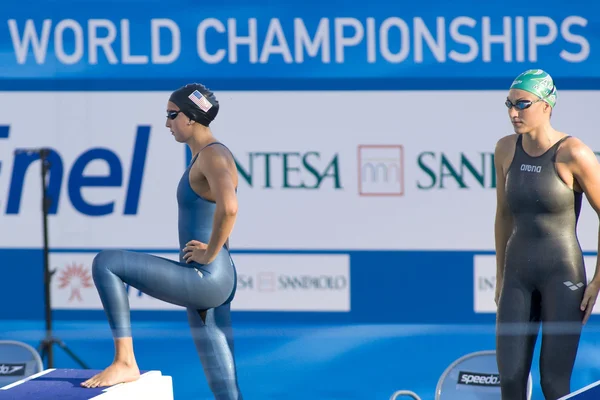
(200, 101)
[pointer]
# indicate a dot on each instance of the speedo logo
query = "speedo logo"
(12, 369)
(531, 168)
(473, 378)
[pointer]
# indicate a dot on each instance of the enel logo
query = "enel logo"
(77, 180)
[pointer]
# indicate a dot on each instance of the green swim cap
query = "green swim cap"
(538, 82)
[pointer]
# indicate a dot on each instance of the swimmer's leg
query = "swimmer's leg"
(517, 328)
(213, 338)
(166, 280)
(561, 330)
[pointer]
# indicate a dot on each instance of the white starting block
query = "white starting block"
(64, 384)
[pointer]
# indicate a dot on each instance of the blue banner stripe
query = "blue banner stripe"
(99, 85)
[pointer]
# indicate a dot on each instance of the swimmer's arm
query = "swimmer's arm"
(586, 170)
(216, 171)
(503, 223)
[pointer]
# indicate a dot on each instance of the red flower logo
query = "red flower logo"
(76, 277)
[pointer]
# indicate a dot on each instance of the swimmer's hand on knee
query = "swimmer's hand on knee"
(195, 251)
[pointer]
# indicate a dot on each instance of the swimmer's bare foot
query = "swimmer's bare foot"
(117, 372)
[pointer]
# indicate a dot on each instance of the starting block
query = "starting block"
(589, 392)
(64, 384)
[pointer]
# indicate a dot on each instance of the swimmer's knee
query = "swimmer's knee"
(555, 385)
(514, 381)
(555, 390)
(104, 259)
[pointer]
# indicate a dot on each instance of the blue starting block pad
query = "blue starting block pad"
(589, 392)
(64, 384)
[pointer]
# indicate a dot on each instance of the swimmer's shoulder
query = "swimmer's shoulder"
(505, 147)
(217, 150)
(573, 150)
(216, 155)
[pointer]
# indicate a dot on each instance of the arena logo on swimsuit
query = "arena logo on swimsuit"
(531, 168)
(77, 180)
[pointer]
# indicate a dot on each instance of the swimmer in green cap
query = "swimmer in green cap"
(541, 176)
(537, 82)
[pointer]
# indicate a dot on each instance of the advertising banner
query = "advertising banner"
(367, 171)
(368, 132)
(266, 282)
(260, 44)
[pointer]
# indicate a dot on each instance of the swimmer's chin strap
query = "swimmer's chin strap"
(192, 108)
